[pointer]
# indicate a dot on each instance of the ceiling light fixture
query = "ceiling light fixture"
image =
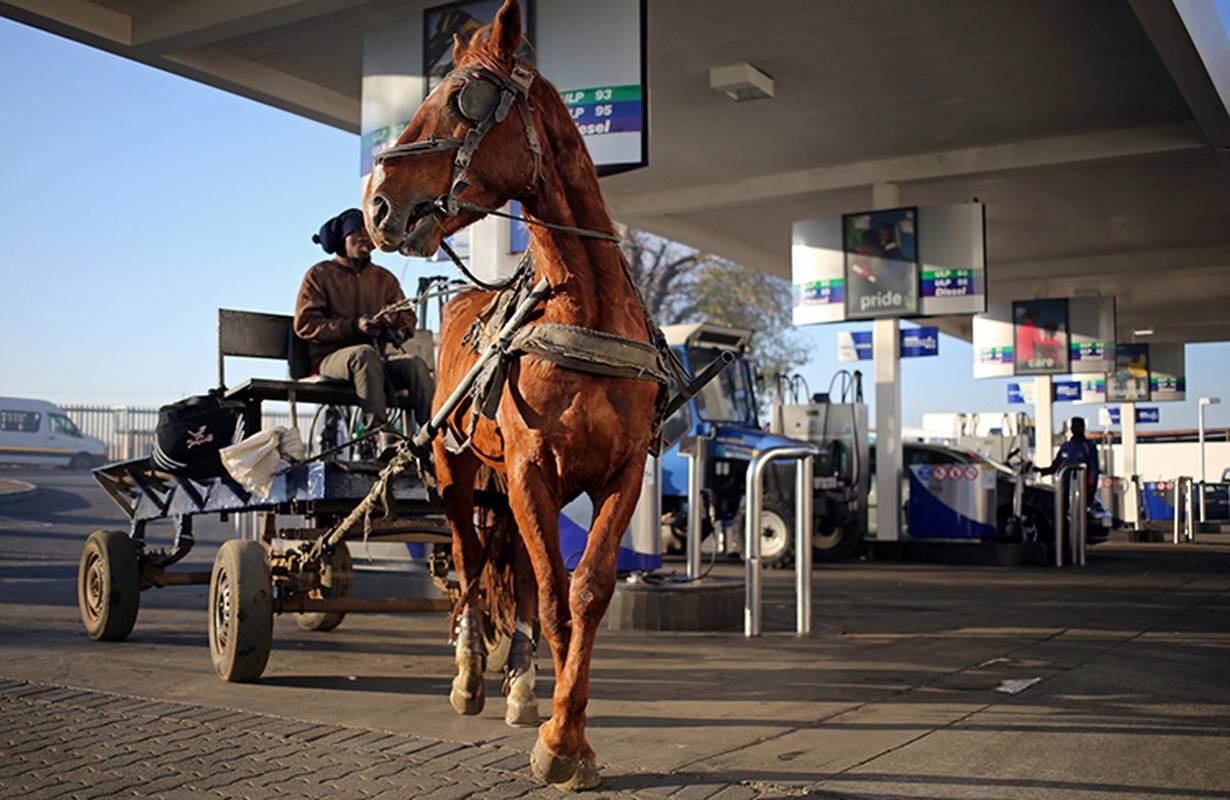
(1142, 331)
(741, 82)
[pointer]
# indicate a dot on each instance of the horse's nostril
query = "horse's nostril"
(379, 210)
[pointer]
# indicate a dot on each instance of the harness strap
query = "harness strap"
(597, 352)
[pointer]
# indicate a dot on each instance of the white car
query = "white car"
(38, 433)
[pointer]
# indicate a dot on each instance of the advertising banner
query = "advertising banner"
(915, 342)
(1113, 415)
(915, 261)
(921, 341)
(1024, 392)
(1130, 380)
(1040, 337)
(881, 263)
(1067, 391)
(594, 53)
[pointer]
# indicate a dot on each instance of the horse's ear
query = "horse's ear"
(507, 29)
(459, 48)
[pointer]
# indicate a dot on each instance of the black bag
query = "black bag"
(192, 431)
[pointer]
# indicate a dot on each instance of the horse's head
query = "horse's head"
(472, 144)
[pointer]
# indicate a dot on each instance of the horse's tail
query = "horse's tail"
(506, 557)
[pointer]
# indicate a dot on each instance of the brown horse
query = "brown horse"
(493, 131)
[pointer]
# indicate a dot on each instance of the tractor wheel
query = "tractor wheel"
(240, 611)
(336, 582)
(109, 586)
(776, 532)
(831, 542)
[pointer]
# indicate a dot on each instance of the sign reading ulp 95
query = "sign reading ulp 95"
(595, 54)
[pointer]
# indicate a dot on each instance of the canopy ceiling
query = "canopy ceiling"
(1091, 129)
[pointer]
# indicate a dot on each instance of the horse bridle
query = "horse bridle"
(484, 100)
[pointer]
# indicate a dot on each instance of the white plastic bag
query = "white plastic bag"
(254, 461)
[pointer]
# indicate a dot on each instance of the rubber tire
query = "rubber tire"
(830, 543)
(240, 611)
(777, 520)
(109, 586)
(341, 568)
(81, 462)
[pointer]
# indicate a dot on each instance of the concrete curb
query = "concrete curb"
(11, 491)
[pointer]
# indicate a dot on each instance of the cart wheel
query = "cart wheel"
(109, 586)
(240, 611)
(336, 581)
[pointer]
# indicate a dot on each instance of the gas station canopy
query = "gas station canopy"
(1096, 132)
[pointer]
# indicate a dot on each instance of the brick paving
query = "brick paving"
(61, 742)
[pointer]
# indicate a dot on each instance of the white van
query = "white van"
(38, 433)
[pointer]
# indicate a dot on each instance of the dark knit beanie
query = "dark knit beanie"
(334, 232)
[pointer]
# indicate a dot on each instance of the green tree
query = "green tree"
(681, 285)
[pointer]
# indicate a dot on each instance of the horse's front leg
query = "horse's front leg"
(561, 740)
(456, 476)
(536, 507)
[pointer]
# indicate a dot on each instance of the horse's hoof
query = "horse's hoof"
(467, 699)
(550, 768)
(522, 708)
(519, 714)
(586, 777)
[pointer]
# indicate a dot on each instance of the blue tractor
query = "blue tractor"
(722, 421)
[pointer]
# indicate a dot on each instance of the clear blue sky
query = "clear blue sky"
(135, 203)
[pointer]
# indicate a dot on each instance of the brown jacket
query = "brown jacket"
(335, 294)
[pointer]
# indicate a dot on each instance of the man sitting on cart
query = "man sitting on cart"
(338, 314)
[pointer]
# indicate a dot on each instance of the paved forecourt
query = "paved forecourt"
(920, 681)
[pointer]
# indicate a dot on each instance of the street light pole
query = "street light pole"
(1204, 401)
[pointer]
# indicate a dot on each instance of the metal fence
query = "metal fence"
(129, 432)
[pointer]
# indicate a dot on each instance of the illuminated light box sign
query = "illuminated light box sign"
(1091, 339)
(992, 339)
(1046, 336)
(914, 261)
(1062, 392)
(1167, 372)
(594, 53)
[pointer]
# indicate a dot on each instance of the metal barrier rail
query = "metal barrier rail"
(1184, 507)
(804, 455)
(695, 453)
(1075, 512)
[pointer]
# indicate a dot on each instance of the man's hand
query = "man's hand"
(369, 327)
